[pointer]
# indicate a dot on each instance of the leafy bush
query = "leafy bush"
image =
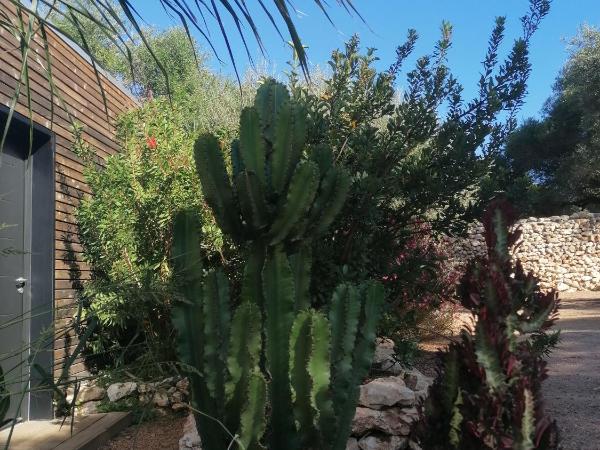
(421, 288)
(418, 156)
(125, 229)
(263, 363)
(488, 391)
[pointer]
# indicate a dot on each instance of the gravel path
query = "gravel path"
(572, 390)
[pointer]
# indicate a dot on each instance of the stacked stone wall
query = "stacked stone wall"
(562, 251)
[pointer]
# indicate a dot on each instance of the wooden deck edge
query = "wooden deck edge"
(98, 434)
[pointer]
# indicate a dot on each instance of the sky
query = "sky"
(385, 26)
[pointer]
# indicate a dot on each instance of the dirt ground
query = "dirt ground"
(160, 434)
(572, 390)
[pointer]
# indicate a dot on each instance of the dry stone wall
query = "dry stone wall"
(562, 251)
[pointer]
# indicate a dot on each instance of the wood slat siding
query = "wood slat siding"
(80, 99)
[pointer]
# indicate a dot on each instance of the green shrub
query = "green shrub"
(416, 155)
(487, 394)
(125, 230)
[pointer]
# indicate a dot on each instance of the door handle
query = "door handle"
(20, 284)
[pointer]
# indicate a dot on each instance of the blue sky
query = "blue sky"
(387, 24)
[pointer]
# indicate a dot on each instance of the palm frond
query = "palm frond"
(121, 23)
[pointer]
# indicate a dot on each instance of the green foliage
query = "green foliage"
(208, 102)
(282, 375)
(551, 165)
(99, 43)
(419, 155)
(125, 228)
(487, 394)
(140, 412)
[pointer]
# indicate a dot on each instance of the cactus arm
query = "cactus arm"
(301, 342)
(372, 306)
(310, 376)
(270, 98)
(245, 343)
(252, 145)
(188, 320)
(216, 332)
(187, 317)
(242, 361)
(278, 287)
(237, 164)
(253, 417)
(372, 297)
(344, 316)
(252, 200)
(299, 134)
(301, 193)
(330, 205)
(320, 373)
(252, 286)
(185, 252)
(301, 262)
(188, 272)
(282, 149)
(216, 187)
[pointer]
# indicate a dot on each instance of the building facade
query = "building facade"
(41, 184)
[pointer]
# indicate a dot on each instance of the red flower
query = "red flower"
(151, 142)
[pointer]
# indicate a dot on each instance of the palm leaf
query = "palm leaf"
(107, 17)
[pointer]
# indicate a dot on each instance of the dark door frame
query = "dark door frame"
(39, 261)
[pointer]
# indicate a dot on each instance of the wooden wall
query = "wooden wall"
(76, 82)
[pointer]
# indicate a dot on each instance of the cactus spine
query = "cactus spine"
(275, 372)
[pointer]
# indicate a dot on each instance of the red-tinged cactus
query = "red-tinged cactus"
(488, 391)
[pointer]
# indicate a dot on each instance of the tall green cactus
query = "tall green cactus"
(271, 372)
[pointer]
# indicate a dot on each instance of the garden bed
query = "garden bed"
(160, 434)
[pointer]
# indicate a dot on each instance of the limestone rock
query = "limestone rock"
(389, 421)
(381, 442)
(161, 398)
(144, 388)
(411, 380)
(412, 445)
(421, 395)
(408, 415)
(118, 391)
(383, 359)
(90, 393)
(183, 385)
(179, 406)
(177, 397)
(352, 444)
(388, 391)
(190, 438)
(88, 408)
(160, 412)
(560, 250)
